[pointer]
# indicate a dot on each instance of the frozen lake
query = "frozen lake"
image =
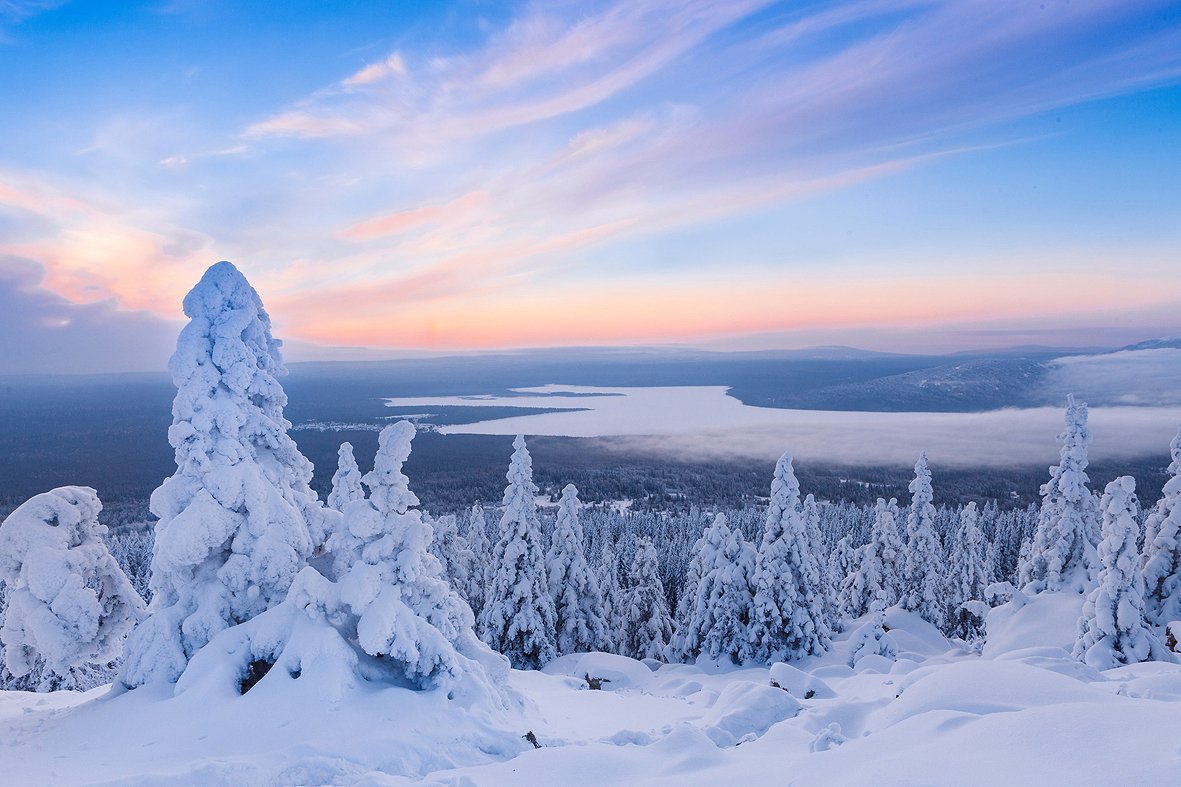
(705, 420)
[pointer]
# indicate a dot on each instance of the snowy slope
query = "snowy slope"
(1023, 713)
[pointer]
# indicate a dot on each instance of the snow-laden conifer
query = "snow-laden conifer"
(346, 481)
(922, 574)
(872, 639)
(518, 616)
(787, 618)
(829, 583)
(1162, 547)
(874, 568)
(451, 549)
(578, 604)
(238, 519)
(69, 605)
(1062, 553)
(684, 645)
(390, 616)
(647, 619)
(1113, 629)
(479, 550)
(968, 578)
(720, 615)
(614, 623)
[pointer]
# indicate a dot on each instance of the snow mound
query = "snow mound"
(745, 710)
(980, 688)
(614, 672)
(1046, 620)
(798, 683)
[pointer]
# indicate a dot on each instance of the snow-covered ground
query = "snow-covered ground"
(1023, 712)
(706, 421)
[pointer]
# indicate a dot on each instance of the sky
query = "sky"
(898, 174)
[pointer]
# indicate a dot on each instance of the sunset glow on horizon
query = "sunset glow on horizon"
(476, 176)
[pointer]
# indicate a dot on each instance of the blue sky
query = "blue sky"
(445, 176)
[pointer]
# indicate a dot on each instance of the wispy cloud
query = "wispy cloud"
(436, 188)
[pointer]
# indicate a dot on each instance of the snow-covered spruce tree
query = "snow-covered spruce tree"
(478, 550)
(450, 548)
(922, 574)
(873, 575)
(69, 605)
(1162, 548)
(648, 622)
(614, 623)
(390, 617)
(787, 620)
(578, 604)
(238, 519)
(969, 576)
(841, 563)
(685, 646)
(518, 617)
(872, 638)
(718, 626)
(346, 481)
(828, 581)
(1113, 629)
(1062, 554)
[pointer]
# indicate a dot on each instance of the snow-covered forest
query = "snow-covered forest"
(409, 642)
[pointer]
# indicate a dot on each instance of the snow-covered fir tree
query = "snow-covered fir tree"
(614, 624)
(518, 618)
(451, 549)
(68, 604)
(1062, 553)
(578, 604)
(389, 617)
(647, 619)
(478, 550)
(828, 581)
(872, 639)
(922, 574)
(238, 519)
(1113, 629)
(720, 616)
(346, 481)
(684, 645)
(968, 578)
(788, 618)
(874, 569)
(1162, 547)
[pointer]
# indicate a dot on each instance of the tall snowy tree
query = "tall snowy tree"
(578, 605)
(1113, 629)
(69, 605)
(874, 575)
(684, 644)
(478, 550)
(788, 618)
(1062, 554)
(614, 624)
(829, 582)
(968, 578)
(1162, 547)
(518, 617)
(720, 615)
(648, 622)
(451, 549)
(346, 481)
(238, 519)
(922, 575)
